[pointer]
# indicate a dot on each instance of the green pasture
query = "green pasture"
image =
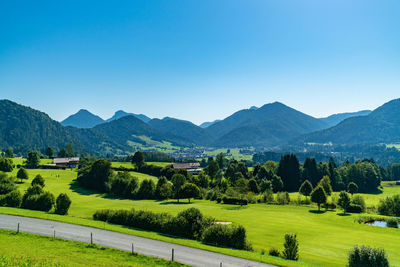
(129, 165)
(325, 238)
(234, 151)
(24, 249)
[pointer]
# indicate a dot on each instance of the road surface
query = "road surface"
(145, 246)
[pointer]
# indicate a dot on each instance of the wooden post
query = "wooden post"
(54, 233)
(91, 238)
(172, 258)
(18, 228)
(220, 265)
(133, 250)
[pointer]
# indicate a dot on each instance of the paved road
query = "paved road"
(145, 246)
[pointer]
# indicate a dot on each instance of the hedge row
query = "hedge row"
(189, 223)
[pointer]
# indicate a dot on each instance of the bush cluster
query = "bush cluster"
(367, 256)
(11, 199)
(36, 199)
(390, 206)
(189, 223)
(234, 200)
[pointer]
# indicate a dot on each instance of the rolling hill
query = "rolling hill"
(185, 129)
(82, 119)
(270, 125)
(335, 119)
(381, 126)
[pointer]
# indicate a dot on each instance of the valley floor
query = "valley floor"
(325, 238)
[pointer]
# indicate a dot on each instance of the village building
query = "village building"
(66, 162)
(193, 167)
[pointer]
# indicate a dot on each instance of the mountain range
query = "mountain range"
(271, 125)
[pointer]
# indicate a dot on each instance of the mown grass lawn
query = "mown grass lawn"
(24, 249)
(325, 238)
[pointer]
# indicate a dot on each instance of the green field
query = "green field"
(234, 151)
(129, 165)
(325, 238)
(24, 249)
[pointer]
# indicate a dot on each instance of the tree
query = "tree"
(9, 153)
(344, 201)
(22, 174)
(7, 184)
(163, 188)
(213, 168)
(318, 196)
(138, 159)
(202, 180)
(253, 186)
(289, 171)
(291, 247)
(38, 180)
(146, 189)
(33, 160)
(49, 152)
(306, 188)
(189, 191)
(352, 188)
(178, 180)
(6, 165)
(310, 171)
(325, 182)
(367, 256)
(96, 176)
(62, 153)
(221, 160)
(69, 150)
(63, 202)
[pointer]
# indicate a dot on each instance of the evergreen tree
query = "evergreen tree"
(326, 184)
(289, 171)
(49, 152)
(9, 153)
(344, 201)
(291, 247)
(310, 171)
(6, 165)
(253, 186)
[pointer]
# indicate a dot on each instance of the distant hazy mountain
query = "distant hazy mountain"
(185, 129)
(82, 119)
(269, 125)
(208, 123)
(120, 113)
(337, 118)
(381, 126)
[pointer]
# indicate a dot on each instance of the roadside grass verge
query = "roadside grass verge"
(24, 249)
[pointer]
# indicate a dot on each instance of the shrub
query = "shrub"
(390, 206)
(274, 252)
(36, 199)
(38, 180)
(291, 247)
(234, 200)
(330, 205)
(63, 203)
(353, 208)
(282, 198)
(359, 201)
(392, 223)
(12, 199)
(367, 256)
(6, 165)
(226, 235)
(7, 184)
(344, 201)
(268, 196)
(318, 196)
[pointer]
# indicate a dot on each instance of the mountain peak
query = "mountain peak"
(82, 119)
(120, 113)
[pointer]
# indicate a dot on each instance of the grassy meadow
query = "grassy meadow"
(325, 238)
(45, 251)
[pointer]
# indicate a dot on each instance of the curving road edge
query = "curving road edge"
(145, 246)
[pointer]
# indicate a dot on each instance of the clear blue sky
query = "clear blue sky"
(199, 60)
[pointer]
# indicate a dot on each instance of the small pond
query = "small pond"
(378, 223)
